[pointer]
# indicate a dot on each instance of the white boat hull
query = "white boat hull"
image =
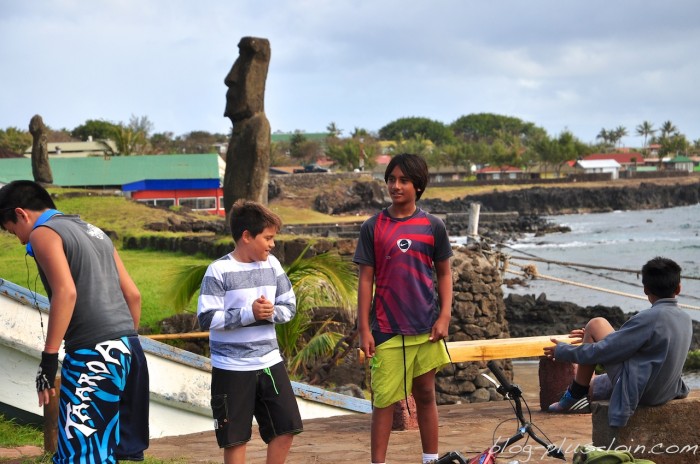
(179, 380)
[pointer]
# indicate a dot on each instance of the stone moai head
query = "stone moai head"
(246, 80)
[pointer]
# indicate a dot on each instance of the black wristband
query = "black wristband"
(46, 375)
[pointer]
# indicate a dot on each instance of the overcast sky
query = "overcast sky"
(577, 65)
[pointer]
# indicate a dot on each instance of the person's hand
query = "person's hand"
(263, 309)
(577, 335)
(46, 377)
(367, 344)
(440, 329)
(549, 350)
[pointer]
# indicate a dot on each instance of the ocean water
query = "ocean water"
(622, 240)
(618, 240)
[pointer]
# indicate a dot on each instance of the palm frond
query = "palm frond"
(291, 334)
(320, 346)
(186, 282)
(323, 280)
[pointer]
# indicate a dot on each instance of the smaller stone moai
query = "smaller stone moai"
(248, 155)
(41, 170)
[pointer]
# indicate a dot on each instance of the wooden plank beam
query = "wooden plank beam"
(502, 348)
(498, 348)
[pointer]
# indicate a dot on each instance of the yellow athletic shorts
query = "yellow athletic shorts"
(387, 366)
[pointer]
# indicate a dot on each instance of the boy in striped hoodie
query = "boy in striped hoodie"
(243, 295)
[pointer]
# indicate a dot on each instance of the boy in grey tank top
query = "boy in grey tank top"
(95, 307)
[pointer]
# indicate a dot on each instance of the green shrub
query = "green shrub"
(692, 362)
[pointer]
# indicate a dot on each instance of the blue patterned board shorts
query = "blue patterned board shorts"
(92, 383)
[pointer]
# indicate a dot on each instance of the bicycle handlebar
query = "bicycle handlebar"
(498, 373)
(509, 390)
(513, 392)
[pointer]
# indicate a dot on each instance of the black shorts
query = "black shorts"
(266, 394)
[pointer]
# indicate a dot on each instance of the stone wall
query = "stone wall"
(215, 247)
(478, 312)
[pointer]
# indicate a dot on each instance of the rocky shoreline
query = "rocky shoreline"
(530, 316)
(573, 200)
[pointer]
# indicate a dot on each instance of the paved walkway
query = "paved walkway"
(468, 428)
(15, 455)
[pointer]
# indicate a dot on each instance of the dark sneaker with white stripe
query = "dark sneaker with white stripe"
(570, 405)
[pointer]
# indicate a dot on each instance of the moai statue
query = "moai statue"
(248, 155)
(41, 170)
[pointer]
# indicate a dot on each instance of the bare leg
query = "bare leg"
(234, 454)
(426, 408)
(278, 449)
(382, 419)
(597, 329)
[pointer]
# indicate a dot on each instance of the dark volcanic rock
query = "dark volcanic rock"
(529, 317)
(557, 200)
(361, 196)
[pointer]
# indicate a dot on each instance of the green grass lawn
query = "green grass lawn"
(151, 270)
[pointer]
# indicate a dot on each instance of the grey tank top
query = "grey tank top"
(101, 312)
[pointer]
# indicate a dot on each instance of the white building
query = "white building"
(600, 166)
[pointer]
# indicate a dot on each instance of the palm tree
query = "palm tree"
(333, 130)
(645, 129)
(324, 280)
(605, 136)
(618, 133)
(667, 128)
(128, 140)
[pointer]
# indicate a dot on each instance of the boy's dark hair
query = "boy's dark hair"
(661, 277)
(25, 194)
(253, 217)
(414, 167)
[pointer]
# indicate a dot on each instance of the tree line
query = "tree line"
(474, 139)
(133, 138)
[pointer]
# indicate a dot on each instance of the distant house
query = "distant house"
(653, 149)
(196, 194)
(680, 163)
(627, 161)
(193, 181)
(600, 166)
(499, 173)
(78, 149)
(448, 173)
